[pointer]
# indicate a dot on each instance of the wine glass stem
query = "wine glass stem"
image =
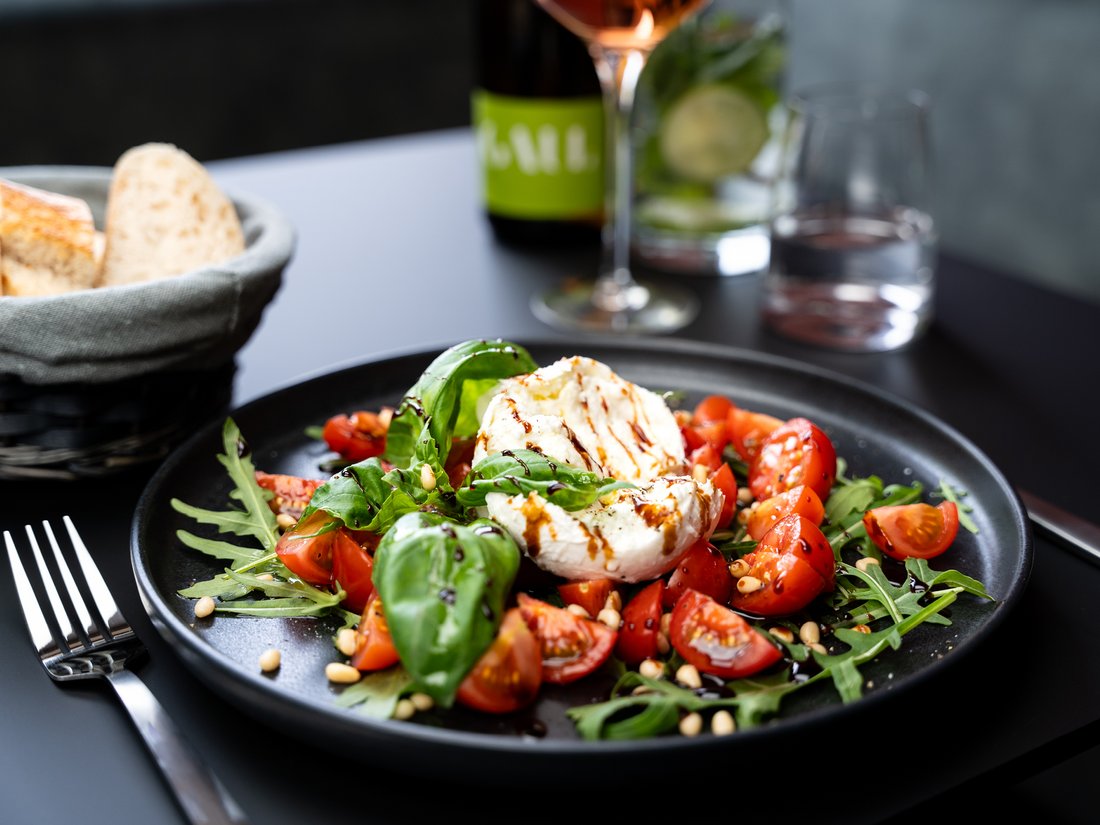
(618, 71)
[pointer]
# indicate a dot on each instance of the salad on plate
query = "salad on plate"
(511, 526)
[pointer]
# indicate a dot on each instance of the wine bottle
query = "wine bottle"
(538, 126)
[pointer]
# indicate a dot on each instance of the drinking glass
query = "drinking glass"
(853, 239)
(619, 34)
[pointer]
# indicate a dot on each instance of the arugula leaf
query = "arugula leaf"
(376, 694)
(256, 518)
(951, 494)
(443, 585)
(923, 572)
(439, 400)
(525, 471)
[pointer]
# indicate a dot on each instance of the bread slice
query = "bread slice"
(47, 242)
(165, 217)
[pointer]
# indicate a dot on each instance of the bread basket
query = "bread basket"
(99, 380)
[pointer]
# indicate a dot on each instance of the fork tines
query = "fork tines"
(88, 632)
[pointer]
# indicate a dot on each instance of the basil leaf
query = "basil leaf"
(439, 400)
(365, 496)
(525, 471)
(376, 694)
(443, 585)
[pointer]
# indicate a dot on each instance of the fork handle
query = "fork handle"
(202, 796)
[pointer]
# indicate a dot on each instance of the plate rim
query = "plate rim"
(176, 632)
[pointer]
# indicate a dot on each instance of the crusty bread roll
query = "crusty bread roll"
(47, 242)
(165, 216)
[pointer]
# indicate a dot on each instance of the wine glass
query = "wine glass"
(620, 35)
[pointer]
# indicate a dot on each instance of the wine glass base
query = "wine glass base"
(570, 306)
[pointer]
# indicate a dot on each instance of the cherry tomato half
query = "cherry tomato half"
(793, 563)
(723, 479)
(508, 675)
(356, 437)
(572, 646)
(796, 453)
(291, 493)
(353, 569)
(702, 568)
(374, 648)
(747, 430)
(638, 636)
(306, 548)
(919, 531)
(591, 595)
(717, 640)
(799, 500)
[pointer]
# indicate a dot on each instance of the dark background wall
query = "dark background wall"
(1015, 86)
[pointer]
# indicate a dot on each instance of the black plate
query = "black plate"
(873, 432)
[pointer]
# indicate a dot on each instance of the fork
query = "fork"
(103, 648)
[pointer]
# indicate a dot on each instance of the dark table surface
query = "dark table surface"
(394, 256)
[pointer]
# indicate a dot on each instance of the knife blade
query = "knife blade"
(1066, 529)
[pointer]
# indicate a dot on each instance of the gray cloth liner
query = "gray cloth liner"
(194, 321)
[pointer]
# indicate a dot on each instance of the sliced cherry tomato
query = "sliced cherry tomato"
(306, 548)
(706, 456)
(723, 479)
(793, 563)
(796, 453)
(292, 493)
(714, 433)
(352, 569)
(717, 640)
(712, 408)
(747, 430)
(701, 568)
(920, 531)
(374, 648)
(799, 500)
(356, 437)
(693, 439)
(641, 624)
(572, 646)
(508, 675)
(591, 595)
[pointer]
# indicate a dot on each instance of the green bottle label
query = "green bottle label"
(540, 159)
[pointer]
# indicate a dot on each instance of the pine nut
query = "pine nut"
(782, 633)
(284, 521)
(739, 568)
(651, 669)
(699, 473)
(817, 647)
(404, 709)
(691, 725)
(666, 624)
(578, 610)
(744, 495)
(749, 584)
(614, 600)
(861, 628)
(270, 660)
(722, 724)
(663, 644)
(640, 689)
(204, 607)
(422, 701)
(866, 562)
(609, 617)
(809, 633)
(427, 477)
(347, 640)
(341, 674)
(266, 577)
(385, 416)
(688, 675)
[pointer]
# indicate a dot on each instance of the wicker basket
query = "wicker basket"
(98, 381)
